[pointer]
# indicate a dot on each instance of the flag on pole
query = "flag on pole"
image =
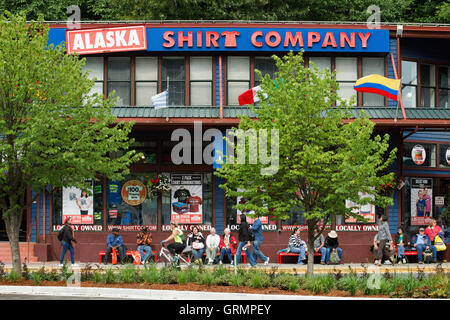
(160, 100)
(378, 84)
(250, 96)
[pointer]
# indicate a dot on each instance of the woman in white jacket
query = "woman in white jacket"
(212, 246)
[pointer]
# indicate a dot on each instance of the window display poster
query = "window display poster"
(78, 205)
(250, 220)
(367, 211)
(421, 200)
(187, 198)
(134, 192)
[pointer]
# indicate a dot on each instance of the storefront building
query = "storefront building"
(206, 65)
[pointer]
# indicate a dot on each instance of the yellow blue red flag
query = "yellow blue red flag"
(378, 84)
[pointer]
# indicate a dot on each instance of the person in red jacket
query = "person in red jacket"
(227, 245)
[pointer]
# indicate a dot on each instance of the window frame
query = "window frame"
(130, 82)
(212, 81)
(135, 82)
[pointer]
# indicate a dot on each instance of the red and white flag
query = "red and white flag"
(250, 96)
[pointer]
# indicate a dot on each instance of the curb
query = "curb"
(146, 294)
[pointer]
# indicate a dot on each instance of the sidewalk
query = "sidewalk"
(146, 294)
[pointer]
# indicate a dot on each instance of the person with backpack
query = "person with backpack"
(256, 228)
(179, 239)
(384, 237)
(332, 245)
(244, 241)
(422, 242)
(65, 235)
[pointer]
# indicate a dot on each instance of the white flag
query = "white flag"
(160, 101)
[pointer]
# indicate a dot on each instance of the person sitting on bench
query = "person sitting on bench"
(115, 241)
(144, 240)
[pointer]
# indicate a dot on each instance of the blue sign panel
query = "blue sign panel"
(257, 39)
(267, 39)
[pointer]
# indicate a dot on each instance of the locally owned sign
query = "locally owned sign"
(89, 41)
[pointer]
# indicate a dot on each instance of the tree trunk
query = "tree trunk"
(310, 267)
(12, 222)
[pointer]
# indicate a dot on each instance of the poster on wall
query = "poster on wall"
(78, 205)
(187, 198)
(367, 211)
(418, 154)
(447, 156)
(421, 200)
(250, 220)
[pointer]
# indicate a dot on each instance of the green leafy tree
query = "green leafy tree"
(53, 132)
(324, 156)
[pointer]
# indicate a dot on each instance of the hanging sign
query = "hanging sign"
(134, 192)
(418, 154)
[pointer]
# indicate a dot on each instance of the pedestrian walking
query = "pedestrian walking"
(67, 240)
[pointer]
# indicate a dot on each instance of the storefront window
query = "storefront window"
(444, 87)
(173, 71)
(321, 62)
(238, 77)
(119, 79)
(427, 85)
(95, 67)
(372, 66)
(190, 200)
(84, 209)
(444, 155)
(409, 84)
(146, 79)
(130, 203)
(149, 150)
(267, 66)
(419, 154)
(200, 81)
(346, 76)
(419, 202)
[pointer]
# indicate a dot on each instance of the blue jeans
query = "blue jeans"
(145, 252)
(323, 252)
(257, 253)
(197, 253)
(339, 251)
(224, 251)
(400, 251)
(67, 246)
(248, 254)
(301, 253)
(421, 248)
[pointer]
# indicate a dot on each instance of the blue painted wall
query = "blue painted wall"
(220, 198)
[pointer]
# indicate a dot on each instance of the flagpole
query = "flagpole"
(400, 99)
(220, 87)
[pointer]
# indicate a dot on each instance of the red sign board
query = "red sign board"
(89, 41)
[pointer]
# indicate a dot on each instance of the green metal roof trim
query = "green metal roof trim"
(234, 111)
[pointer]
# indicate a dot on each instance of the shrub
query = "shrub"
(258, 280)
(168, 275)
(207, 278)
(13, 276)
(129, 274)
(236, 280)
(109, 277)
(97, 277)
(36, 277)
(182, 277)
(151, 275)
(348, 283)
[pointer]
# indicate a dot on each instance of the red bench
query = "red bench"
(101, 254)
(407, 253)
(293, 254)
